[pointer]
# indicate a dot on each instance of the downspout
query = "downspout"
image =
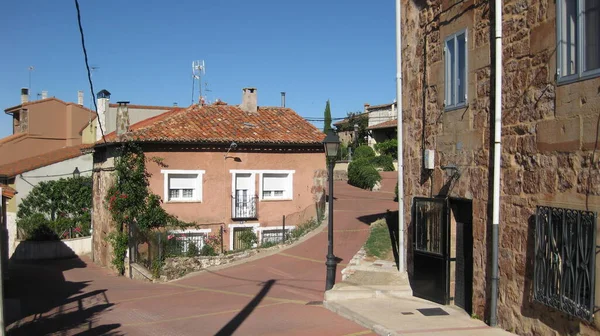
(497, 154)
(401, 252)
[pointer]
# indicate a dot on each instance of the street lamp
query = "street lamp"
(332, 145)
(76, 172)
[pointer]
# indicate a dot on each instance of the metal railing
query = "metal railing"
(565, 251)
(244, 206)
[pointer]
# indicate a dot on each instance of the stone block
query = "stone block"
(511, 181)
(559, 135)
(591, 132)
(531, 182)
(457, 120)
(446, 143)
(543, 37)
(469, 140)
(480, 57)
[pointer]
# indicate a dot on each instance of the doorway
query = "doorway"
(443, 251)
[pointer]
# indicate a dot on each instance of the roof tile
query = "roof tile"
(223, 124)
(34, 162)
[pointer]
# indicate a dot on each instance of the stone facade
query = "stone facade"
(549, 136)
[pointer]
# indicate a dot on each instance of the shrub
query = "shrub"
(388, 147)
(362, 174)
(343, 152)
(268, 244)
(208, 251)
(304, 228)
(383, 161)
(192, 250)
(248, 238)
(363, 152)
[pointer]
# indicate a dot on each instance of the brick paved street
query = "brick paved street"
(270, 296)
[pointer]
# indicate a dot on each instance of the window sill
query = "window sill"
(455, 107)
(276, 199)
(183, 201)
(574, 79)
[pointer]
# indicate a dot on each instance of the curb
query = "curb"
(361, 320)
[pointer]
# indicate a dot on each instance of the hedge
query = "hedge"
(383, 161)
(363, 152)
(362, 174)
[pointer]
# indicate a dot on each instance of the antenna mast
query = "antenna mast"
(198, 70)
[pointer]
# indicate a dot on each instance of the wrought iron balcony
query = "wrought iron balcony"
(244, 206)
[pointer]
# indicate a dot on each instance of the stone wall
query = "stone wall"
(548, 137)
(103, 178)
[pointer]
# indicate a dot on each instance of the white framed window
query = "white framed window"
(455, 70)
(578, 39)
(183, 185)
(276, 185)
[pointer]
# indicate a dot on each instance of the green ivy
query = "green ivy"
(130, 202)
(119, 242)
(388, 147)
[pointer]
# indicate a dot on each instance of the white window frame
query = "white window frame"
(230, 227)
(288, 193)
(270, 228)
(447, 80)
(199, 179)
(206, 232)
(579, 74)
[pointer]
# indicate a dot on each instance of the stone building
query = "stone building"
(550, 157)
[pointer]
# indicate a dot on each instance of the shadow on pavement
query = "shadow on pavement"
(238, 319)
(369, 219)
(41, 301)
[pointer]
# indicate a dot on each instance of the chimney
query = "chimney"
(103, 102)
(367, 105)
(44, 94)
(122, 118)
(282, 99)
(24, 95)
(80, 97)
(249, 101)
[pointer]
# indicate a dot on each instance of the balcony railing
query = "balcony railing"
(244, 206)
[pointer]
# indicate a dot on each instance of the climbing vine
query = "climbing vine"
(130, 202)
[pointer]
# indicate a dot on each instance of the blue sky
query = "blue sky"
(313, 50)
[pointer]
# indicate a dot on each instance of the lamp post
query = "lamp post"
(332, 145)
(76, 172)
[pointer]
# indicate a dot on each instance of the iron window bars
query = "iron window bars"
(565, 250)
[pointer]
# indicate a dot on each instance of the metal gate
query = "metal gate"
(237, 243)
(431, 250)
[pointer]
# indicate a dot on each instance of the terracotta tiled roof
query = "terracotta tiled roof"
(34, 162)
(12, 137)
(145, 107)
(386, 124)
(224, 124)
(7, 191)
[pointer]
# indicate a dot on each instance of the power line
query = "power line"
(89, 74)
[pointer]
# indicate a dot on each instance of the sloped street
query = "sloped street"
(274, 295)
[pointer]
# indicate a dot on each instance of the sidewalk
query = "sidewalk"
(376, 296)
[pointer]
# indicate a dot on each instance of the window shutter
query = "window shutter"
(244, 182)
(183, 181)
(275, 182)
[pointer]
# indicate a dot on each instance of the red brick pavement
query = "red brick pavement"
(77, 296)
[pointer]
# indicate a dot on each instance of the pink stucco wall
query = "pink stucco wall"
(216, 204)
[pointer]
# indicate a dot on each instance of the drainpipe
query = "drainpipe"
(497, 153)
(401, 252)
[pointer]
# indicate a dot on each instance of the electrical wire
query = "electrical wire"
(89, 74)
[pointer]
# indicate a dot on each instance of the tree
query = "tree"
(66, 198)
(356, 118)
(327, 125)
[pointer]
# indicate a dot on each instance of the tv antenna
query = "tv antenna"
(198, 70)
(93, 68)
